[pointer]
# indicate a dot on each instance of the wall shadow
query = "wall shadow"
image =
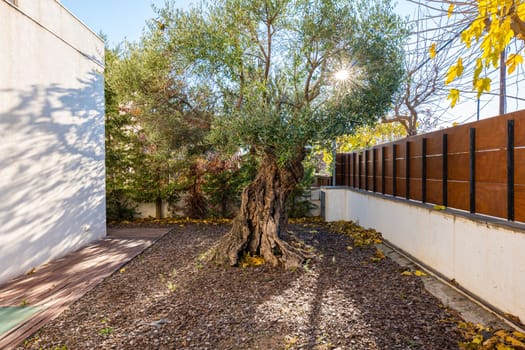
(52, 193)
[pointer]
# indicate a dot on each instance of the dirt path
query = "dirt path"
(167, 299)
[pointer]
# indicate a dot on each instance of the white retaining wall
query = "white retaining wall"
(149, 210)
(485, 257)
(52, 173)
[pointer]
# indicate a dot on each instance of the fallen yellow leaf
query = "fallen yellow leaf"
(514, 342)
(518, 335)
(419, 273)
(501, 333)
(478, 339)
(406, 273)
(489, 343)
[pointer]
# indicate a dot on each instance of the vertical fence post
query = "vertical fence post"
(383, 170)
(472, 170)
(510, 170)
(346, 165)
(343, 169)
(359, 170)
(353, 169)
(407, 170)
(444, 175)
(356, 169)
(352, 166)
(360, 177)
(394, 146)
(366, 169)
(424, 170)
(334, 173)
(374, 169)
(347, 182)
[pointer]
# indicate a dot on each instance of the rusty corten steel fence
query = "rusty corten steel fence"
(477, 167)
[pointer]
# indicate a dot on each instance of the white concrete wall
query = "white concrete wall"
(315, 199)
(147, 210)
(52, 187)
(485, 258)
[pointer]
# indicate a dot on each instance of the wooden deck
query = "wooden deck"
(56, 285)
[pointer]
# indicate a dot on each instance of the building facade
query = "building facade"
(52, 173)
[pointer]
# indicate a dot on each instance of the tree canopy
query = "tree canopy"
(283, 76)
(265, 80)
(271, 65)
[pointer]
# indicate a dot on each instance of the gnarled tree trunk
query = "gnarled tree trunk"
(260, 225)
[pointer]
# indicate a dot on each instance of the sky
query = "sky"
(117, 19)
(123, 20)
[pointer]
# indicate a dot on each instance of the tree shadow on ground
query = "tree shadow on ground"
(343, 301)
(361, 302)
(167, 298)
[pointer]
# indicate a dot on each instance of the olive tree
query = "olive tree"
(286, 75)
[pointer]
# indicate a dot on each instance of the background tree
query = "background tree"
(363, 137)
(270, 65)
(417, 105)
(225, 178)
(433, 46)
(153, 114)
(122, 152)
(368, 136)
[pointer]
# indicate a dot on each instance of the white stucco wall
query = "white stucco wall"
(485, 258)
(149, 210)
(52, 187)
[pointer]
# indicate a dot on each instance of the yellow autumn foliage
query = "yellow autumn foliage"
(362, 237)
(453, 96)
(368, 136)
(513, 61)
(450, 10)
(455, 71)
(495, 25)
(432, 50)
(249, 260)
(479, 337)
(419, 273)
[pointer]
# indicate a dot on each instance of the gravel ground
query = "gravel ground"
(167, 299)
